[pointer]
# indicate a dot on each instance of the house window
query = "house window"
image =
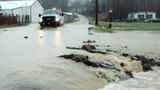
(141, 17)
(149, 16)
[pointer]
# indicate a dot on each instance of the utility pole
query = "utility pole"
(96, 17)
(110, 14)
(110, 18)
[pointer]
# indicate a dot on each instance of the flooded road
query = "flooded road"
(33, 63)
(137, 42)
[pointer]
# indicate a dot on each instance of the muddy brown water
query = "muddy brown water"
(142, 81)
(137, 42)
(33, 63)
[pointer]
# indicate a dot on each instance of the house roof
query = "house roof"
(16, 4)
(68, 13)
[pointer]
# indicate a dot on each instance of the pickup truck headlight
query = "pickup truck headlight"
(57, 19)
(40, 19)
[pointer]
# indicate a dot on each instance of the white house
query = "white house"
(22, 7)
(142, 16)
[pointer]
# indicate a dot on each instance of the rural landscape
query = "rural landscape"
(79, 44)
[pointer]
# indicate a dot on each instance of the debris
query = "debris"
(89, 41)
(126, 47)
(97, 45)
(74, 48)
(137, 63)
(109, 50)
(90, 28)
(5, 30)
(88, 47)
(96, 51)
(158, 63)
(90, 33)
(26, 37)
(108, 46)
(85, 59)
(122, 64)
(81, 58)
(147, 67)
(94, 41)
(129, 74)
(41, 36)
(147, 63)
(125, 54)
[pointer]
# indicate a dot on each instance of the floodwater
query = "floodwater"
(137, 42)
(142, 81)
(33, 63)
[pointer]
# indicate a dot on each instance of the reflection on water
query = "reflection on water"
(32, 64)
(57, 38)
(41, 35)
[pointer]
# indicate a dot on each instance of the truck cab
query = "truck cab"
(51, 17)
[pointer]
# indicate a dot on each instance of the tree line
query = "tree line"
(121, 8)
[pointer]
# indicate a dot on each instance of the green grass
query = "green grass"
(135, 26)
(7, 26)
(103, 29)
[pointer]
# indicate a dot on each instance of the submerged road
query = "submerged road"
(33, 63)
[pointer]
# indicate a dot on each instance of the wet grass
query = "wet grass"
(7, 26)
(124, 26)
(103, 29)
(136, 26)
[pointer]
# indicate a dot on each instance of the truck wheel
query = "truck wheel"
(58, 24)
(41, 26)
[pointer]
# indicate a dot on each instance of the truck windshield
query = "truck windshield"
(51, 12)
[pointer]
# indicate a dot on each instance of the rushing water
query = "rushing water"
(138, 42)
(33, 63)
(142, 81)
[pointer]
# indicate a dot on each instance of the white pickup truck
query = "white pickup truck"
(51, 17)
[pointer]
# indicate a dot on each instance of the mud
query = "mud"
(99, 65)
(134, 63)
(89, 48)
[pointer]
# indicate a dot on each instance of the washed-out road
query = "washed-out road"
(32, 63)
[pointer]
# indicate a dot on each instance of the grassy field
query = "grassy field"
(7, 26)
(135, 26)
(127, 26)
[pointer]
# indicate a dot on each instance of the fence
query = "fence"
(14, 19)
